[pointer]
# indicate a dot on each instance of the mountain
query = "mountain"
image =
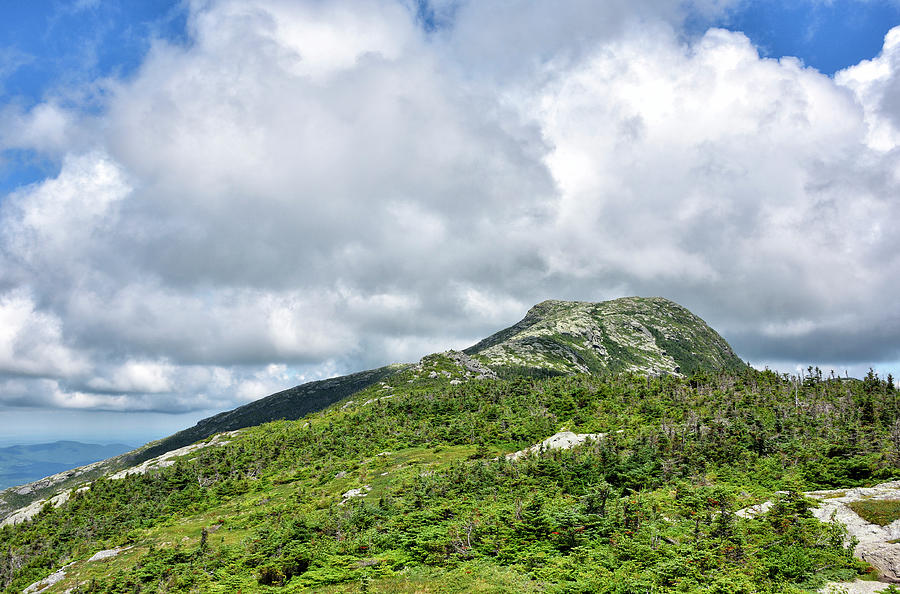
(647, 335)
(23, 463)
(576, 451)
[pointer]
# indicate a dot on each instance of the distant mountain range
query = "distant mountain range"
(25, 463)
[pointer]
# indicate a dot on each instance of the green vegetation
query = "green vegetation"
(649, 508)
(877, 511)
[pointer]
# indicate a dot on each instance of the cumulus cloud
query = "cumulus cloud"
(311, 188)
(31, 342)
(877, 87)
(745, 187)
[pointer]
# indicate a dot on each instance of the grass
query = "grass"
(469, 577)
(877, 511)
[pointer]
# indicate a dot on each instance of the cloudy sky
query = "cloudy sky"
(205, 201)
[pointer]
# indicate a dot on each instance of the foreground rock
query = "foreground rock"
(857, 587)
(875, 544)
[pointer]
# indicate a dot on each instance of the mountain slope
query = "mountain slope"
(417, 484)
(648, 335)
(289, 404)
(470, 472)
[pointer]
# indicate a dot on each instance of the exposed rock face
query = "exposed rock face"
(563, 440)
(875, 546)
(857, 587)
(649, 335)
(883, 556)
(106, 554)
(50, 580)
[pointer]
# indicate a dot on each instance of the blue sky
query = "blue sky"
(48, 48)
(285, 190)
(827, 35)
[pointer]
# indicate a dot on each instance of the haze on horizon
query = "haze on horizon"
(207, 201)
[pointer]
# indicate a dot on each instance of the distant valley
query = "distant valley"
(21, 464)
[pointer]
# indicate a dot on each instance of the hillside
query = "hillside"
(555, 337)
(287, 404)
(430, 479)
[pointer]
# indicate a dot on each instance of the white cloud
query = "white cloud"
(310, 188)
(136, 376)
(31, 341)
(876, 85)
(46, 127)
(684, 167)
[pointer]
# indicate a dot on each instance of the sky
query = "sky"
(206, 201)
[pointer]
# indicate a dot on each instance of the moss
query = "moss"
(877, 511)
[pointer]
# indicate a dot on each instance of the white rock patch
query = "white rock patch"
(857, 587)
(563, 440)
(361, 492)
(165, 460)
(107, 554)
(53, 578)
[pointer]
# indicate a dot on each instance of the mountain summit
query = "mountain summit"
(644, 335)
(647, 335)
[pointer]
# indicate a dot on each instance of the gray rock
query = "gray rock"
(107, 554)
(875, 544)
(883, 556)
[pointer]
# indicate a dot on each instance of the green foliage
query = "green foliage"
(650, 507)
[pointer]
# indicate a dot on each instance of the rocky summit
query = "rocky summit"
(646, 335)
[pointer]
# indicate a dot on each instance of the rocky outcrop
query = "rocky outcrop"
(857, 587)
(875, 544)
(107, 554)
(558, 441)
(353, 493)
(50, 580)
